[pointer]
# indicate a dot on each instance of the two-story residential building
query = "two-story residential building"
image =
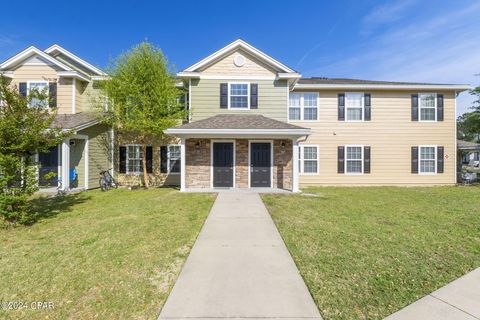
(255, 122)
(69, 82)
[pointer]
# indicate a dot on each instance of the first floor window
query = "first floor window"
(428, 106)
(427, 159)
(308, 158)
(239, 95)
(354, 159)
(303, 106)
(354, 105)
(134, 159)
(170, 159)
(35, 89)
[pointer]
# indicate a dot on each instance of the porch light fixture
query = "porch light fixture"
(282, 146)
(197, 146)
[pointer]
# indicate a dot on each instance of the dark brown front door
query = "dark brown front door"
(260, 164)
(223, 164)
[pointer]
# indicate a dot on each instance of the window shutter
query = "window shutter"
(368, 107)
(341, 107)
(163, 159)
(440, 161)
(341, 159)
(123, 160)
(52, 95)
(366, 159)
(149, 156)
(439, 107)
(414, 159)
(414, 107)
(253, 96)
(223, 95)
(22, 88)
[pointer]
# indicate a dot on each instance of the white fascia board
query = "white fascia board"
(289, 75)
(100, 78)
(73, 74)
(239, 132)
(239, 44)
(75, 58)
(460, 87)
(189, 75)
(30, 51)
(7, 74)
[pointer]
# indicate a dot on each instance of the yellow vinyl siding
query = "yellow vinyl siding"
(226, 66)
(390, 134)
(272, 99)
(88, 97)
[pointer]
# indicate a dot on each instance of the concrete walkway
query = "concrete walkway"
(458, 300)
(239, 268)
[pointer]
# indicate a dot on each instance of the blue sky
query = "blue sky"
(409, 40)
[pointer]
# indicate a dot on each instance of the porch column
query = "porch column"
(66, 164)
(182, 164)
(295, 174)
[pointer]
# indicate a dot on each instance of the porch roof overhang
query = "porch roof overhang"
(239, 126)
(468, 146)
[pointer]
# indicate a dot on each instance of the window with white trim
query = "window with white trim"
(38, 88)
(174, 158)
(308, 159)
(427, 159)
(134, 158)
(354, 159)
(427, 103)
(303, 106)
(239, 95)
(354, 106)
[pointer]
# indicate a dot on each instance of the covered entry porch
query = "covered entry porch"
(239, 152)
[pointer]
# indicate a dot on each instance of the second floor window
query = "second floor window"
(239, 95)
(38, 88)
(354, 105)
(303, 106)
(427, 106)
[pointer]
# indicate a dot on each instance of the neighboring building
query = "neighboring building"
(257, 123)
(69, 82)
(470, 153)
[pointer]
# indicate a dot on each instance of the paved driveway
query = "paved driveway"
(239, 268)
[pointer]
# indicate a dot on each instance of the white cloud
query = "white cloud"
(385, 14)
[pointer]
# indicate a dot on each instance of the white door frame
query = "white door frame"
(271, 160)
(234, 160)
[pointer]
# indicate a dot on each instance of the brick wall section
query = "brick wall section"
(197, 163)
(282, 164)
(241, 163)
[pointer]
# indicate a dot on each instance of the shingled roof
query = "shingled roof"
(467, 145)
(325, 80)
(238, 121)
(74, 121)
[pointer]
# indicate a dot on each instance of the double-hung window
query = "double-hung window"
(428, 106)
(308, 158)
(35, 90)
(303, 106)
(354, 159)
(239, 96)
(354, 106)
(427, 159)
(174, 159)
(134, 158)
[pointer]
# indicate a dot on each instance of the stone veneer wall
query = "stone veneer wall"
(197, 163)
(282, 164)
(241, 163)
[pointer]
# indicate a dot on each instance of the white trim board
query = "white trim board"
(30, 51)
(56, 47)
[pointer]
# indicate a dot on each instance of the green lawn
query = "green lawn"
(111, 255)
(367, 252)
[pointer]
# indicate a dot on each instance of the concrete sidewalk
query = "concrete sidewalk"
(458, 300)
(239, 268)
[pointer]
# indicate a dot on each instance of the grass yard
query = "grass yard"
(367, 252)
(112, 255)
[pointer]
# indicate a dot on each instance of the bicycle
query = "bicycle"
(106, 181)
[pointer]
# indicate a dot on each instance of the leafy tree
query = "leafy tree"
(142, 97)
(24, 131)
(468, 124)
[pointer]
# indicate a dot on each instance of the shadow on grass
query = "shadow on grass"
(48, 207)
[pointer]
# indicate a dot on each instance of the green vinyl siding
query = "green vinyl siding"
(272, 99)
(77, 161)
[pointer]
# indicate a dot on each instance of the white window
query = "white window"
(308, 158)
(427, 160)
(239, 94)
(303, 106)
(134, 159)
(354, 106)
(354, 159)
(428, 106)
(174, 156)
(36, 88)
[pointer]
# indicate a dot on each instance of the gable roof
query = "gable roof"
(29, 52)
(58, 49)
(76, 121)
(239, 44)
